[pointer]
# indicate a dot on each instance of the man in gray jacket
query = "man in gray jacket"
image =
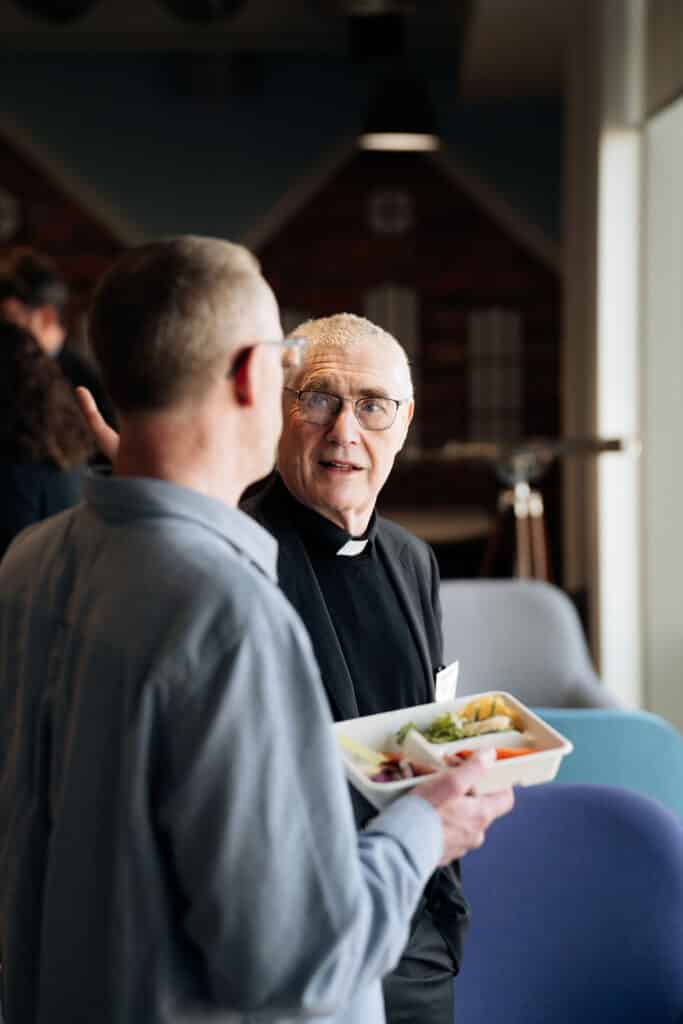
(177, 842)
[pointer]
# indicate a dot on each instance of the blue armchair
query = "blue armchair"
(577, 912)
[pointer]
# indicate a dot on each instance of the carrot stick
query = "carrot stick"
(502, 753)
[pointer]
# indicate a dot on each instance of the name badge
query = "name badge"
(447, 682)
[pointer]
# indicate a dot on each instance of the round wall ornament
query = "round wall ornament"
(391, 212)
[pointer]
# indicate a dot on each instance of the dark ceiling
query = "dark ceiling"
(509, 46)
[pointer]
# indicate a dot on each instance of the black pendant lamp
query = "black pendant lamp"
(400, 117)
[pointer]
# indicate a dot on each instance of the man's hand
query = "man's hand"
(464, 817)
(106, 438)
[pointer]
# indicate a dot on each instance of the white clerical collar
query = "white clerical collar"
(352, 547)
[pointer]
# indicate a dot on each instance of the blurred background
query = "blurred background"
(521, 233)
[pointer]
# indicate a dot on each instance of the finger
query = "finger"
(469, 773)
(107, 439)
(460, 756)
(486, 757)
(498, 803)
(458, 780)
(86, 401)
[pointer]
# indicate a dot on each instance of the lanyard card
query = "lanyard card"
(446, 682)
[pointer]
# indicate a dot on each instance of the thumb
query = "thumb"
(475, 768)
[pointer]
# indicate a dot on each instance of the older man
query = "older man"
(177, 841)
(367, 590)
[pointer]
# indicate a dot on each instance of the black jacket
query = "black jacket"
(412, 568)
(32, 491)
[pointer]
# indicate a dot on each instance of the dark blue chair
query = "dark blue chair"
(634, 749)
(577, 912)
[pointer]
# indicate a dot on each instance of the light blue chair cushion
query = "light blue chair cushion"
(634, 749)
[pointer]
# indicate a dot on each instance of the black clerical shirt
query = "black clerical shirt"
(372, 629)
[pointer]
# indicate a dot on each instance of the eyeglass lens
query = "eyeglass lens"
(373, 413)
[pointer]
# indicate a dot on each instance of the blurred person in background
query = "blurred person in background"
(34, 295)
(43, 440)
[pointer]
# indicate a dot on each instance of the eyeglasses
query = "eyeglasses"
(292, 353)
(372, 412)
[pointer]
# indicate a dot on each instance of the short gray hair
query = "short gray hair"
(165, 314)
(342, 331)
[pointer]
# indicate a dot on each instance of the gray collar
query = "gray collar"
(120, 498)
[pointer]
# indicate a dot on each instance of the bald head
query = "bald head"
(166, 316)
(340, 334)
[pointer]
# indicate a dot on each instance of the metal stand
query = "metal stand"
(518, 465)
(531, 543)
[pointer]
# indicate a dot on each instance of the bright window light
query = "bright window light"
(618, 413)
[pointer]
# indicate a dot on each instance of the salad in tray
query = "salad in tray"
(387, 754)
(489, 716)
(483, 715)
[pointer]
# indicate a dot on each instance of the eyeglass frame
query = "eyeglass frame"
(293, 345)
(342, 399)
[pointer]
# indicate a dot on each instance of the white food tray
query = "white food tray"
(378, 732)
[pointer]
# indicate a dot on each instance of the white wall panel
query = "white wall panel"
(663, 415)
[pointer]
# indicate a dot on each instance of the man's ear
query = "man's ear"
(243, 377)
(410, 411)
